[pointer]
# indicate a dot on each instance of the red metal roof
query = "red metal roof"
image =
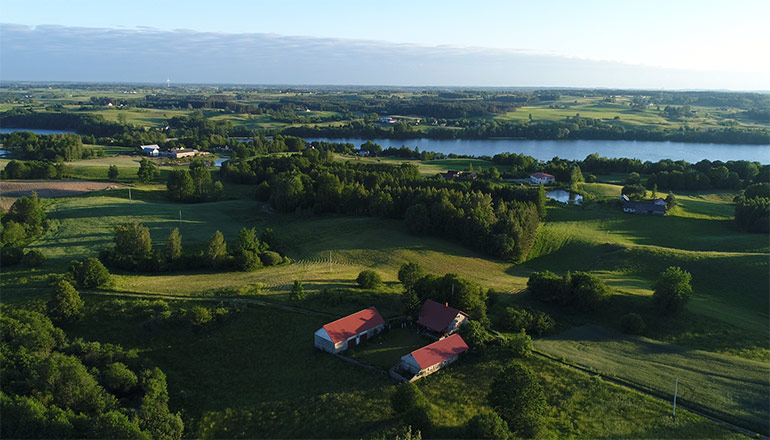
(541, 175)
(436, 316)
(354, 324)
(439, 351)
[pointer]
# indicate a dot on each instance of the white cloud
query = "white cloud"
(58, 53)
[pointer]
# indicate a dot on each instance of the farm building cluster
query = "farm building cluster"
(174, 153)
(435, 320)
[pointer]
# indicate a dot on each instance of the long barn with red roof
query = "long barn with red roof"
(435, 356)
(349, 331)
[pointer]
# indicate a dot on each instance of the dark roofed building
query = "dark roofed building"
(440, 318)
(645, 208)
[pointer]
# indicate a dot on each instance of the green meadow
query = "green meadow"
(257, 375)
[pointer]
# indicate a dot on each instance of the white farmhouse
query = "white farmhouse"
(538, 178)
(150, 150)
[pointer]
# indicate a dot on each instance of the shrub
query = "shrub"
(369, 279)
(520, 344)
(65, 303)
(199, 316)
(119, 378)
(270, 258)
(297, 291)
(487, 426)
(90, 273)
(474, 334)
(633, 324)
(518, 398)
(406, 397)
(33, 258)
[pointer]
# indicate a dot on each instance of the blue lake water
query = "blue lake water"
(562, 196)
(578, 150)
(34, 130)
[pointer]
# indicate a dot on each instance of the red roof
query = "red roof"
(354, 324)
(541, 175)
(439, 351)
(436, 316)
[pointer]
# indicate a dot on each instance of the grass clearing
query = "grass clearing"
(385, 350)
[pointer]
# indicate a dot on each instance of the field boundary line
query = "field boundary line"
(214, 299)
(703, 411)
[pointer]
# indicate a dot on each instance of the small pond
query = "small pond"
(562, 196)
(220, 161)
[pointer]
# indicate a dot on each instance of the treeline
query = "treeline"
(752, 208)
(497, 219)
(54, 387)
(133, 250)
(53, 148)
(34, 169)
(102, 131)
(589, 129)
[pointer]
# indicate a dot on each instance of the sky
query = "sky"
(680, 44)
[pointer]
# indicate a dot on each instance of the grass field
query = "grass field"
(722, 328)
(386, 350)
(728, 385)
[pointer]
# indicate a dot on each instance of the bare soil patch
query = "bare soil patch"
(10, 190)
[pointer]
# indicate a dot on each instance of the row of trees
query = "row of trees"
(52, 148)
(133, 250)
(193, 184)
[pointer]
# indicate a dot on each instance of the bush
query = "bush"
(199, 316)
(33, 258)
(297, 291)
(369, 279)
(119, 378)
(90, 273)
(406, 397)
(270, 258)
(538, 323)
(672, 290)
(633, 324)
(65, 303)
(520, 344)
(518, 398)
(487, 426)
(474, 334)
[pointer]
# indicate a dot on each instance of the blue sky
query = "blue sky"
(649, 44)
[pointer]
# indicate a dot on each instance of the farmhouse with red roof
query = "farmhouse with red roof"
(538, 178)
(440, 318)
(435, 356)
(349, 331)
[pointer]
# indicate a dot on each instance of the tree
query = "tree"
(147, 170)
(633, 324)
(113, 172)
(672, 290)
(91, 274)
(216, 250)
(409, 273)
(13, 234)
(132, 240)
(518, 398)
(173, 249)
(417, 219)
(635, 192)
(180, 185)
(247, 250)
(369, 279)
(297, 291)
(33, 258)
(487, 425)
(474, 334)
(65, 303)
(119, 378)
(201, 178)
(406, 397)
(28, 211)
(670, 200)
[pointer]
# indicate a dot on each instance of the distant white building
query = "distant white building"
(150, 150)
(538, 178)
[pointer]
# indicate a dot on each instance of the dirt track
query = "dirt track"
(10, 190)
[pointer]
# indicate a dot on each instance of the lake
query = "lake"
(34, 130)
(567, 197)
(578, 150)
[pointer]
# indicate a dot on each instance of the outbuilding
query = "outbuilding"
(440, 319)
(538, 178)
(150, 150)
(435, 356)
(349, 331)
